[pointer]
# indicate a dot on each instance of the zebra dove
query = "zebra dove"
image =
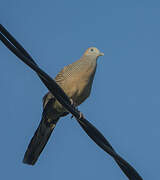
(76, 80)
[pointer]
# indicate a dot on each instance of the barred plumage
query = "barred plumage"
(76, 80)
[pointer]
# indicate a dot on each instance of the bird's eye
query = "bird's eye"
(92, 50)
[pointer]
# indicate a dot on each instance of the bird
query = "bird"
(76, 80)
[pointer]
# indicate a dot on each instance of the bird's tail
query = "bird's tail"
(39, 140)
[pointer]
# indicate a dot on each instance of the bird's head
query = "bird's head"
(94, 52)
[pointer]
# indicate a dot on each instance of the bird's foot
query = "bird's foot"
(81, 115)
(72, 102)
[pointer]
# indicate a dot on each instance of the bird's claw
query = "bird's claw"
(81, 115)
(72, 102)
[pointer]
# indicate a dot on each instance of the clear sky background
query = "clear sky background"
(125, 100)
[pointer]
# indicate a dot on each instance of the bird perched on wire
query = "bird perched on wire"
(76, 80)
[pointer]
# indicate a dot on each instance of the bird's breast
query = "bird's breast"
(78, 86)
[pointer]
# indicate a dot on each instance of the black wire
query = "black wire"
(92, 132)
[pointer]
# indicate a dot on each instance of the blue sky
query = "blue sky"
(125, 100)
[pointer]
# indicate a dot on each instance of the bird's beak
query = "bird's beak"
(101, 54)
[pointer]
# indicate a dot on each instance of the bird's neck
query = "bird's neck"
(92, 60)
